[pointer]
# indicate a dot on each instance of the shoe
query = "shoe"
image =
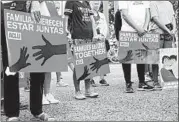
(129, 88)
(13, 119)
(45, 101)
(79, 96)
(103, 82)
(51, 99)
(2, 112)
(91, 95)
(61, 84)
(145, 87)
(26, 89)
(157, 86)
(45, 117)
(93, 84)
(23, 107)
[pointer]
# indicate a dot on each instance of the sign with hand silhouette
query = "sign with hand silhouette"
(90, 59)
(35, 47)
(138, 50)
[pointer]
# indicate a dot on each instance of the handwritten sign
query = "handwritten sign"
(87, 60)
(35, 47)
(138, 50)
(169, 68)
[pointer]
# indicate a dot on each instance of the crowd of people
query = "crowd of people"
(85, 22)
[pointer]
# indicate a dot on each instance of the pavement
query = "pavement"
(113, 103)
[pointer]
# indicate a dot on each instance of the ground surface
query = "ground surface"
(112, 105)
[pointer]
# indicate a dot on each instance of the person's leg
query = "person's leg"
(47, 83)
(102, 81)
(11, 95)
(127, 72)
(78, 94)
(141, 75)
(71, 65)
(155, 71)
(36, 93)
(60, 83)
(48, 97)
(88, 92)
(127, 77)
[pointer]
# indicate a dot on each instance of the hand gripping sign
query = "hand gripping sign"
(35, 47)
(89, 58)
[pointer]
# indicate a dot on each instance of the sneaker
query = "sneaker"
(13, 119)
(93, 84)
(23, 107)
(103, 82)
(129, 88)
(61, 84)
(45, 101)
(91, 95)
(45, 117)
(144, 87)
(51, 99)
(79, 96)
(27, 89)
(157, 86)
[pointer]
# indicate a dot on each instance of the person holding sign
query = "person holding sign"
(102, 30)
(135, 17)
(82, 28)
(47, 8)
(162, 22)
(11, 79)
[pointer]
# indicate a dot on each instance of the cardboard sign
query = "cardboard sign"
(138, 50)
(89, 60)
(169, 68)
(35, 47)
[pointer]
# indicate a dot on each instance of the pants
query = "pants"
(11, 94)
(155, 67)
(127, 72)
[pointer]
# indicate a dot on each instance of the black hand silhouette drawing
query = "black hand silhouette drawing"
(85, 74)
(127, 58)
(22, 62)
(98, 63)
(143, 53)
(48, 50)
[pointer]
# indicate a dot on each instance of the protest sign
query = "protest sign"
(169, 68)
(35, 47)
(138, 50)
(88, 60)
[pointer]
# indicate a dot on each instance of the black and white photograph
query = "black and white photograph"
(93, 60)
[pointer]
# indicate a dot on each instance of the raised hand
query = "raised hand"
(85, 73)
(22, 62)
(48, 50)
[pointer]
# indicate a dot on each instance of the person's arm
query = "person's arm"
(93, 26)
(155, 17)
(147, 19)
(161, 25)
(129, 21)
(174, 31)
